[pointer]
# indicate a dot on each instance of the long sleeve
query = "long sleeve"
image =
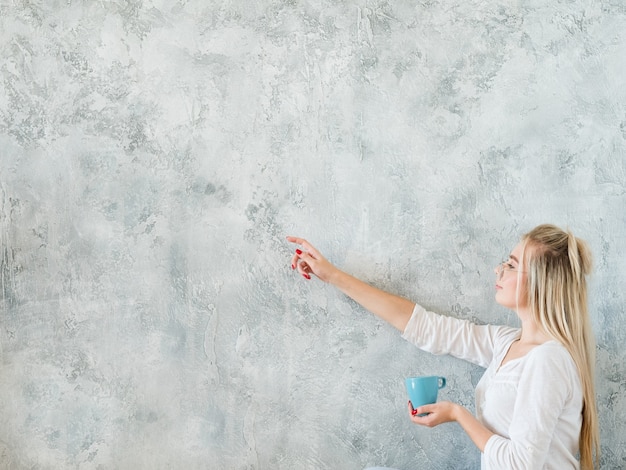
(546, 419)
(440, 334)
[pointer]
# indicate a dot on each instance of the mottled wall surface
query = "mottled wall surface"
(154, 154)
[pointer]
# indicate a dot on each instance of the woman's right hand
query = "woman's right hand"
(392, 308)
(307, 260)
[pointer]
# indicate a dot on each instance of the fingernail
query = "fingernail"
(299, 252)
(414, 412)
(306, 276)
(293, 266)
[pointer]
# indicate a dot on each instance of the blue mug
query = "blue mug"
(424, 390)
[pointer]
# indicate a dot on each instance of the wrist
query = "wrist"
(334, 277)
(457, 412)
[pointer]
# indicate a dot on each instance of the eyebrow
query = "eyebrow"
(514, 258)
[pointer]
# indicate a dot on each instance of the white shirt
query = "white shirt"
(533, 404)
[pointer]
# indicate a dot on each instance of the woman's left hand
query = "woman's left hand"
(438, 413)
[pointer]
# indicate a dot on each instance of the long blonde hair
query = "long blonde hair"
(557, 263)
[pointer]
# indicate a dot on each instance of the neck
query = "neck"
(532, 334)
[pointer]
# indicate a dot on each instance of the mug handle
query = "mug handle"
(442, 382)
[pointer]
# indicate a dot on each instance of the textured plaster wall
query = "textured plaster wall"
(154, 154)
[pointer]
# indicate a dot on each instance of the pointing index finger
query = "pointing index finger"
(305, 244)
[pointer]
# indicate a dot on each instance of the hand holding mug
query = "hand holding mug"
(423, 390)
(434, 414)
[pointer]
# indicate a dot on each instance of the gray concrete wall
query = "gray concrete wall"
(154, 154)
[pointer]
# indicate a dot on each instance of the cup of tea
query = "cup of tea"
(423, 390)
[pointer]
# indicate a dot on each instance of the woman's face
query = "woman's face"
(506, 281)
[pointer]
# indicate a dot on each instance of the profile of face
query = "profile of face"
(507, 283)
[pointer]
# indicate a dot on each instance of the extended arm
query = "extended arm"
(394, 309)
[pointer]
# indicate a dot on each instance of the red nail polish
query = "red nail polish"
(299, 252)
(306, 276)
(293, 266)
(414, 412)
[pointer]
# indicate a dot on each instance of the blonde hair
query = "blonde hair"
(556, 264)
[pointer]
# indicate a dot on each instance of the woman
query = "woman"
(535, 404)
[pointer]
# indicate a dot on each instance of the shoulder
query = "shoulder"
(551, 351)
(550, 367)
(504, 335)
(552, 359)
(507, 332)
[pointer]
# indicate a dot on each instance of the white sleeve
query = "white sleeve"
(547, 385)
(440, 334)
